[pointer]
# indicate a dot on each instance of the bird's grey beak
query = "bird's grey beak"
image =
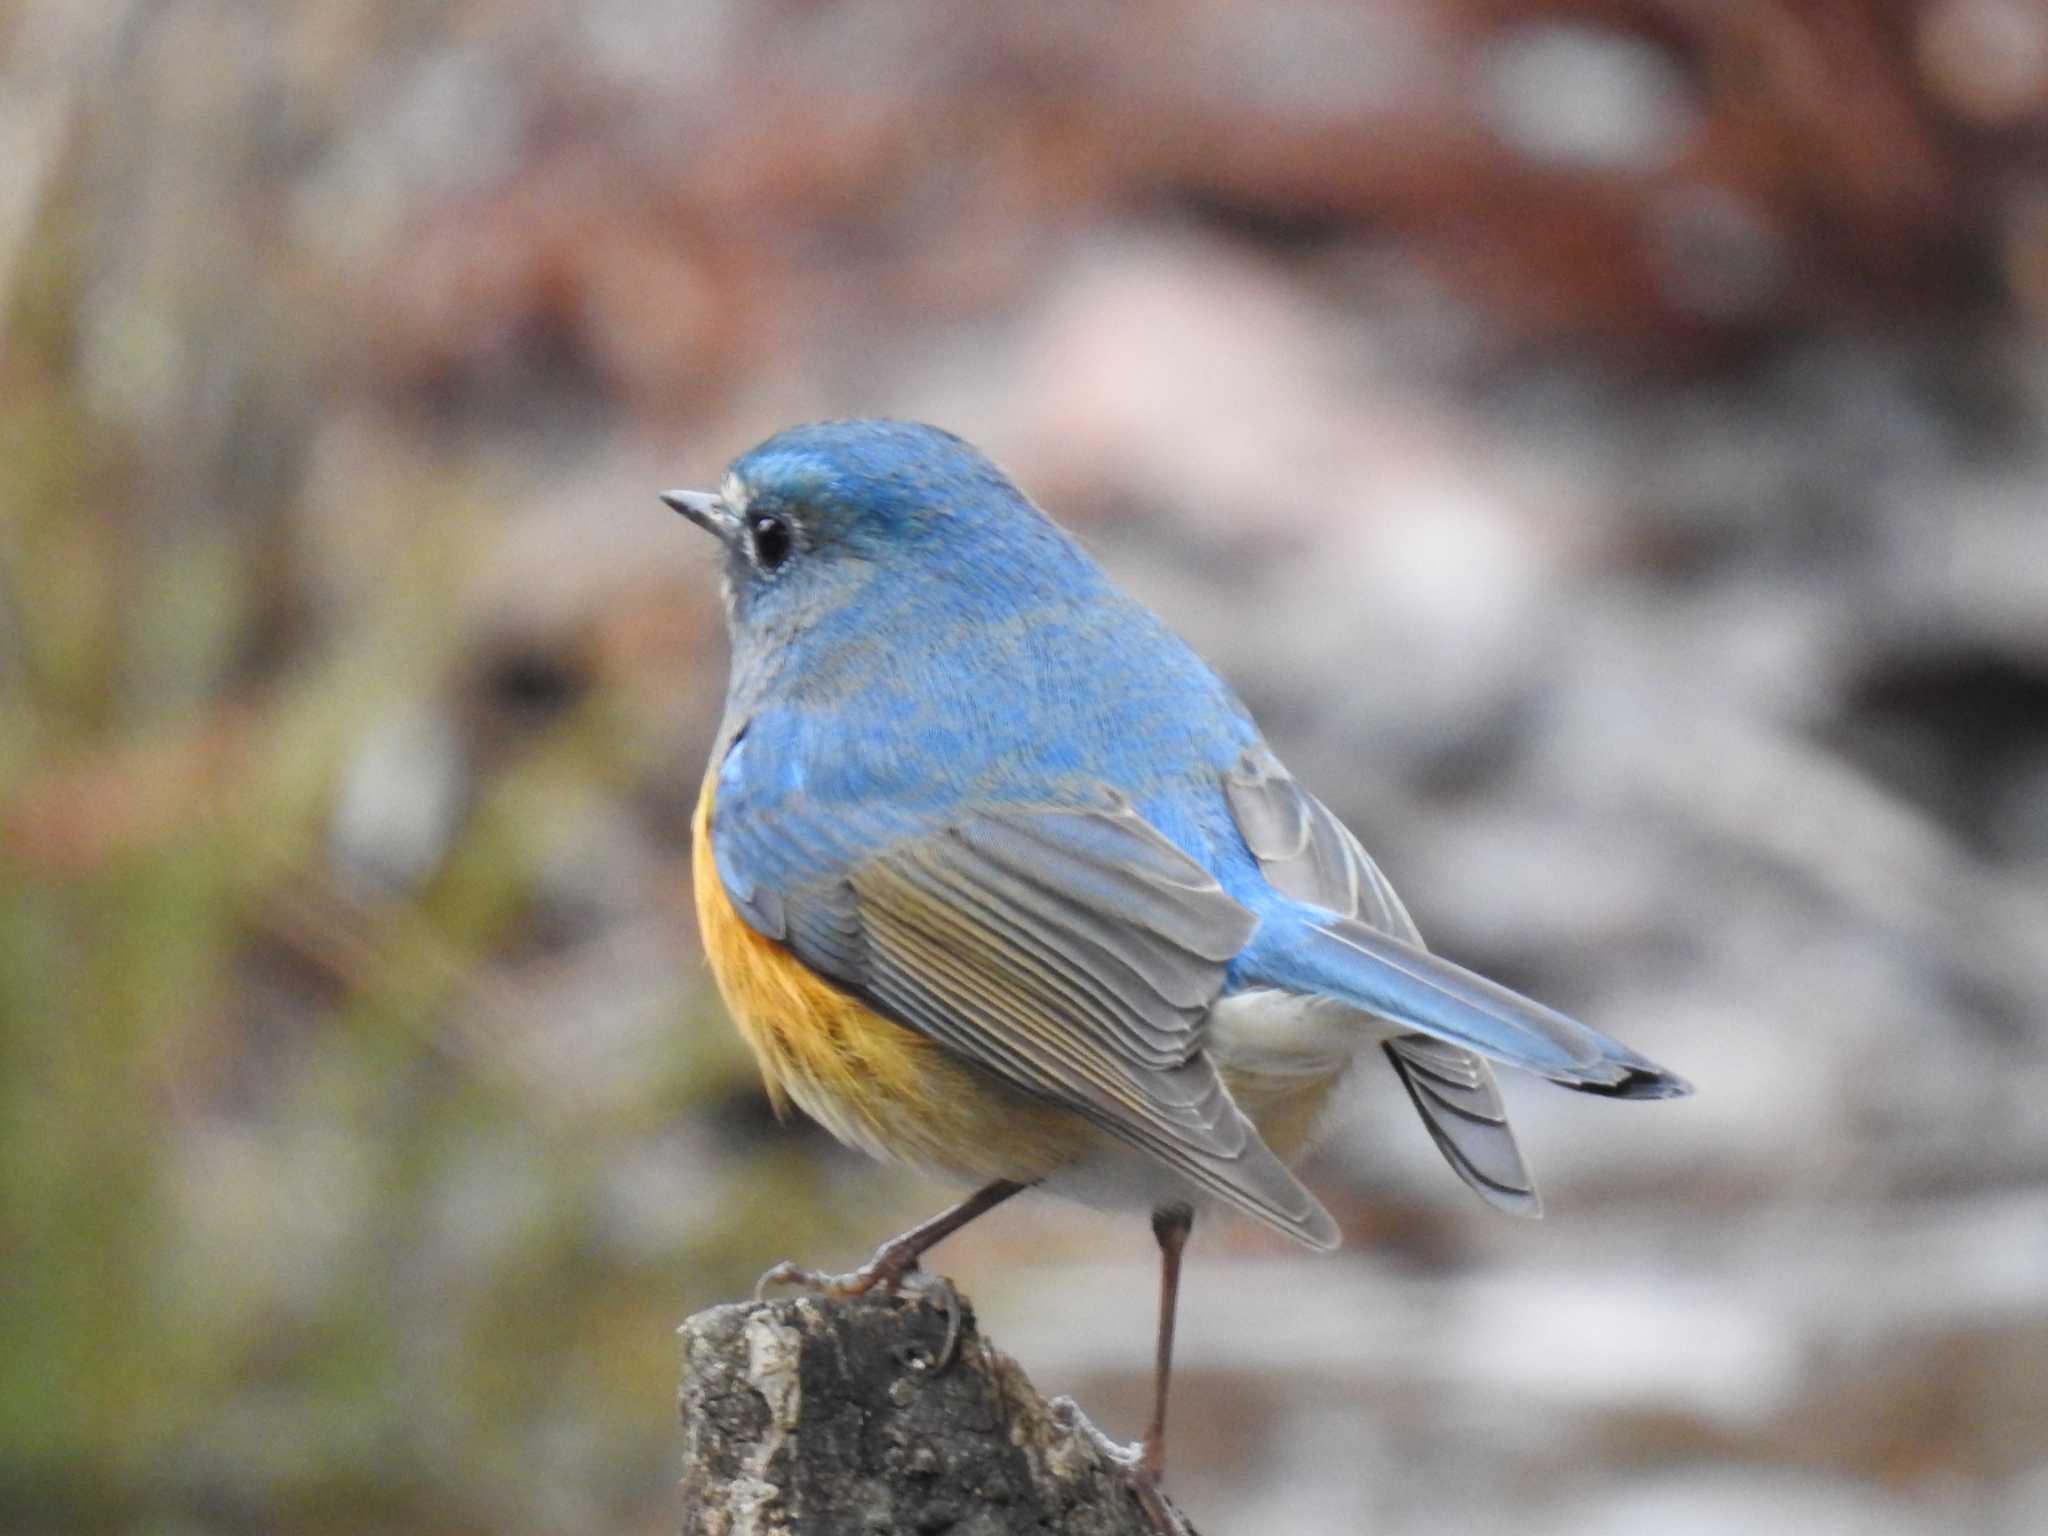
(707, 511)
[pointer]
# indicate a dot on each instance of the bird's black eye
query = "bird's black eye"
(771, 538)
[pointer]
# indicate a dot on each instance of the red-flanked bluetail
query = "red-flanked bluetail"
(998, 878)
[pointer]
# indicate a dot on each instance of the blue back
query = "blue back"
(939, 646)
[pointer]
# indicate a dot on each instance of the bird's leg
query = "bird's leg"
(896, 1258)
(895, 1263)
(1145, 1462)
(1171, 1225)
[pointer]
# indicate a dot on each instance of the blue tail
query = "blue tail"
(1340, 958)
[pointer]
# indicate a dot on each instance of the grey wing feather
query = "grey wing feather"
(1310, 855)
(1454, 1092)
(1073, 953)
(762, 909)
(822, 924)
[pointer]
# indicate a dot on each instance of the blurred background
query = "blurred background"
(1606, 441)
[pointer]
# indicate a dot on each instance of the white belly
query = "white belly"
(1269, 1034)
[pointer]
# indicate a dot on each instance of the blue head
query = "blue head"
(882, 527)
(909, 630)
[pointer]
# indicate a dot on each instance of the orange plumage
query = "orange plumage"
(865, 1078)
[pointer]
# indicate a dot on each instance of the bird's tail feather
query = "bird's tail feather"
(1455, 1094)
(1410, 986)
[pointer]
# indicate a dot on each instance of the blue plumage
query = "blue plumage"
(1004, 880)
(917, 646)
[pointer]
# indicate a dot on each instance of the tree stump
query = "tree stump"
(809, 1416)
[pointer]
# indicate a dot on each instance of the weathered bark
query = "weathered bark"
(807, 1416)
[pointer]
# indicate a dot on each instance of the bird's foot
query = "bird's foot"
(893, 1271)
(1142, 1463)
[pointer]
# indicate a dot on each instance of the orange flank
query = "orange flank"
(868, 1080)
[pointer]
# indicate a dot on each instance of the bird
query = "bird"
(1000, 880)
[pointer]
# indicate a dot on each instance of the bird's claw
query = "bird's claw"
(789, 1272)
(940, 1292)
(888, 1272)
(1134, 1462)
